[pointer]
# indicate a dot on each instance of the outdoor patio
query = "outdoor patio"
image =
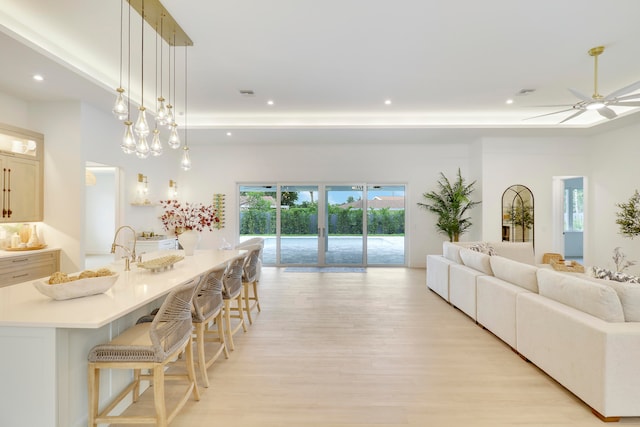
(341, 250)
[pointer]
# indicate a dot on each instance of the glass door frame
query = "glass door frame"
(323, 215)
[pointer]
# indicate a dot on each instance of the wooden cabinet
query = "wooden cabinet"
(21, 175)
(27, 266)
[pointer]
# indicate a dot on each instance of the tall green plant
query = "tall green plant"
(629, 216)
(450, 203)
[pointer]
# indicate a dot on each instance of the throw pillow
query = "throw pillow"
(483, 248)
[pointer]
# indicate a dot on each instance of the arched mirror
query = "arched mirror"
(517, 214)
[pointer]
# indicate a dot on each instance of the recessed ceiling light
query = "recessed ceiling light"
(509, 101)
(387, 102)
(38, 77)
(228, 133)
(270, 102)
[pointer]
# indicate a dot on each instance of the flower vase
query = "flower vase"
(189, 240)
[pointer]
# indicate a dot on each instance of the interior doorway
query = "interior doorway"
(101, 210)
(570, 216)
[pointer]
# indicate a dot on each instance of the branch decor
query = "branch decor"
(178, 217)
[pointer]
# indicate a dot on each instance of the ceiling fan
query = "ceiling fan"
(598, 102)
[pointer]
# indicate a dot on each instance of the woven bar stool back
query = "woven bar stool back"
(208, 306)
(250, 277)
(149, 346)
(232, 296)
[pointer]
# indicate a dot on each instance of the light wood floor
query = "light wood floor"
(373, 349)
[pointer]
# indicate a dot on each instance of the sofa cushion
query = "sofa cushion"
(451, 251)
(476, 260)
(629, 295)
(517, 251)
(517, 273)
(590, 297)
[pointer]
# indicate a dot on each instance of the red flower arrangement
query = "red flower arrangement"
(190, 216)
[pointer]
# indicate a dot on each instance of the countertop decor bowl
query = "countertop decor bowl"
(77, 288)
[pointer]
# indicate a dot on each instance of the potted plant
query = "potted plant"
(450, 203)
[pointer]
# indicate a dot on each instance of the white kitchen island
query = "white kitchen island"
(44, 343)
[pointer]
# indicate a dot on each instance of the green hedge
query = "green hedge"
(304, 221)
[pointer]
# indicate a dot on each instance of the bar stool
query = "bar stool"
(208, 304)
(149, 346)
(232, 292)
(250, 277)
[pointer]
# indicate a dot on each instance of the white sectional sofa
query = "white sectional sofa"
(583, 332)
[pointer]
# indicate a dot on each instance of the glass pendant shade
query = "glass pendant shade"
(142, 148)
(170, 120)
(156, 145)
(185, 163)
(128, 144)
(120, 109)
(161, 115)
(174, 138)
(141, 127)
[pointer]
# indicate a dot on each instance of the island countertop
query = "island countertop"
(22, 305)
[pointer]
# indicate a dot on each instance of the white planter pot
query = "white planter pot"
(189, 241)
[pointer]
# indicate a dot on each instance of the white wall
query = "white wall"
(76, 133)
(614, 163)
(532, 162)
(218, 168)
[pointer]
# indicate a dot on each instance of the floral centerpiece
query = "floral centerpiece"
(178, 217)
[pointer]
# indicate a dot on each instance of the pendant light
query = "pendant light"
(169, 109)
(161, 113)
(156, 144)
(185, 164)
(141, 128)
(136, 134)
(120, 109)
(128, 144)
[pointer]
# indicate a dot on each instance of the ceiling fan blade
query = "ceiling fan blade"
(624, 98)
(607, 112)
(549, 114)
(627, 104)
(632, 87)
(576, 114)
(581, 96)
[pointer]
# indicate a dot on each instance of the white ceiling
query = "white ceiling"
(333, 63)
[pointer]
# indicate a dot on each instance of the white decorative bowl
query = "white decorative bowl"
(77, 288)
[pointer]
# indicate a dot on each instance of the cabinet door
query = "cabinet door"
(21, 190)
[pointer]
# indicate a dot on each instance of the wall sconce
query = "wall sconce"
(143, 190)
(173, 190)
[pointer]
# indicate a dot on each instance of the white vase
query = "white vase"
(189, 240)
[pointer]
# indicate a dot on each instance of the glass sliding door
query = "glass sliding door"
(258, 217)
(299, 225)
(385, 224)
(318, 225)
(343, 232)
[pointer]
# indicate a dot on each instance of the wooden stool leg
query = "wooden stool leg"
(241, 311)
(158, 395)
(223, 340)
(227, 319)
(94, 388)
(136, 387)
(247, 301)
(201, 360)
(191, 370)
(255, 294)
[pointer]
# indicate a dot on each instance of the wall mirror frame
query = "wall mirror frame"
(518, 221)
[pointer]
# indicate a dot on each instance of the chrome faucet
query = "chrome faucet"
(131, 253)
